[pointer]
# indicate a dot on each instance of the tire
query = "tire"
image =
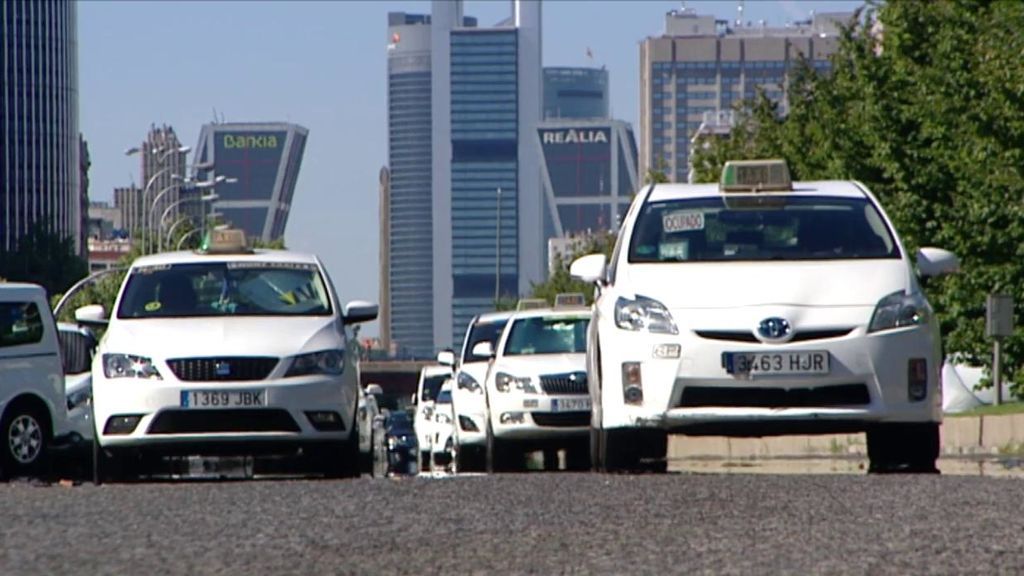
(25, 451)
(632, 450)
(470, 459)
(910, 448)
(500, 455)
(577, 456)
(111, 465)
(340, 458)
(366, 458)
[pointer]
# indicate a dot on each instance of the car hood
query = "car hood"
(540, 364)
(806, 283)
(223, 336)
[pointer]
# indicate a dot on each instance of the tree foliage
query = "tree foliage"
(43, 258)
(560, 282)
(925, 105)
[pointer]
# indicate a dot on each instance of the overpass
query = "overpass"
(398, 378)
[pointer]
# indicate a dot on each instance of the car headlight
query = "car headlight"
(644, 314)
(505, 382)
(330, 362)
(129, 366)
(79, 398)
(467, 382)
(442, 418)
(898, 310)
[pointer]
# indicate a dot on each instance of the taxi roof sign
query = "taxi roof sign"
(225, 241)
(755, 176)
(570, 300)
(531, 304)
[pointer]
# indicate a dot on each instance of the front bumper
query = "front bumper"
(165, 422)
(519, 416)
(875, 366)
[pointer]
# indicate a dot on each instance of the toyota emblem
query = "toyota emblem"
(773, 328)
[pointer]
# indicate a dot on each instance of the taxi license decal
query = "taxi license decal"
(278, 265)
(683, 221)
(674, 251)
(153, 306)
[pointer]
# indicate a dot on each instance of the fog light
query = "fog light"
(467, 424)
(512, 418)
(632, 383)
(324, 420)
(122, 424)
(917, 379)
(667, 350)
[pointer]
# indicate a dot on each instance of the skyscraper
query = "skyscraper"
(163, 169)
(264, 158)
(40, 169)
(479, 91)
(701, 66)
(571, 92)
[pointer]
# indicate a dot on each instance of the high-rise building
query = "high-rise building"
(128, 200)
(84, 163)
(264, 159)
(163, 170)
(40, 170)
(571, 92)
(589, 174)
(478, 89)
(703, 66)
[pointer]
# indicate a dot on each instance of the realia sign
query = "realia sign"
(574, 136)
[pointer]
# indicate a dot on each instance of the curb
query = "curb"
(961, 436)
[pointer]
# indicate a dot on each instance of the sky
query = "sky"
(321, 64)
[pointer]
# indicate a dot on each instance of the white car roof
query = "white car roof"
(493, 317)
(573, 312)
(20, 291)
(436, 370)
(258, 255)
(834, 188)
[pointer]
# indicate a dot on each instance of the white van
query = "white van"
(33, 410)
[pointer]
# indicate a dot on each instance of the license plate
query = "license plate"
(805, 362)
(570, 404)
(223, 398)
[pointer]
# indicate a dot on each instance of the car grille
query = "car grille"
(214, 421)
(561, 419)
(571, 383)
(227, 368)
(747, 336)
(820, 397)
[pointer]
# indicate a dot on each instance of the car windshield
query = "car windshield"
(482, 332)
(444, 397)
(225, 289)
(760, 227)
(431, 385)
(547, 336)
(399, 422)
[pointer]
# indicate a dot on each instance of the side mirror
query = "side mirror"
(589, 268)
(446, 358)
(358, 311)
(484, 348)
(936, 262)
(412, 400)
(92, 315)
(374, 390)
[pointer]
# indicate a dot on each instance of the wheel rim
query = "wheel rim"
(25, 439)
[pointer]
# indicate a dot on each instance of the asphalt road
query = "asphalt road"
(528, 523)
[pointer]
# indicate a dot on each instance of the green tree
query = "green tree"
(561, 282)
(43, 258)
(924, 105)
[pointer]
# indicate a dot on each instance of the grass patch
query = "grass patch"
(1004, 408)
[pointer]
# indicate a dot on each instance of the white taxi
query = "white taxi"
(227, 351)
(537, 388)
(469, 403)
(762, 306)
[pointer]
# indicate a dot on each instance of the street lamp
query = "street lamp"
(163, 217)
(162, 155)
(181, 240)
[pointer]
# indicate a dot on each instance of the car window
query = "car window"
(76, 350)
(431, 385)
(225, 289)
(547, 336)
(482, 332)
(754, 228)
(444, 397)
(20, 324)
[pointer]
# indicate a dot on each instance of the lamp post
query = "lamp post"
(162, 155)
(187, 234)
(163, 217)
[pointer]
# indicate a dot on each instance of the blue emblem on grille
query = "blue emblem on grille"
(222, 369)
(773, 328)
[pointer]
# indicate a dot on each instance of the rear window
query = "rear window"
(760, 227)
(20, 324)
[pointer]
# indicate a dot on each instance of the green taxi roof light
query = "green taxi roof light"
(570, 300)
(225, 241)
(531, 304)
(755, 176)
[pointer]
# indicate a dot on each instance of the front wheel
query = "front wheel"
(906, 448)
(26, 443)
(629, 450)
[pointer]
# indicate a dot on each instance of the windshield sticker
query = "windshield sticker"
(278, 265)
(150, 269)
(683, 221)
(674, 250)
(153, 306)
